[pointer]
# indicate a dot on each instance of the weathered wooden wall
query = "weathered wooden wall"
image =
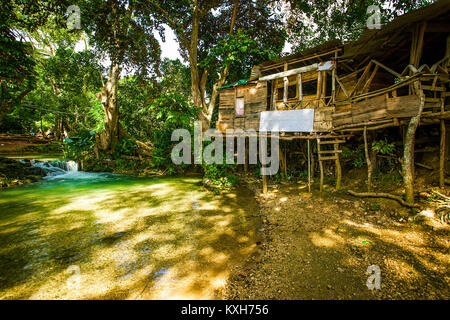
(377, 108)
(255, 101)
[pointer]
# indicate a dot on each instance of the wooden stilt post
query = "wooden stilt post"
(369, 163)
(246, 155)
(320, 165)
(309, 166)
(442, 157)
(264, 178)
(313, 163)
(263, 152)
(442, 150)
(447, 148)
(338, 167)
(300, 89)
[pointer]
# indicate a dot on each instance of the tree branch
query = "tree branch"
(382, 195)
(171, 22)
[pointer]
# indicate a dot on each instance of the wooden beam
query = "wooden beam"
(313, 56)
(360, 80)
(288, 73)
(285, 90)
(341, 85)
(338, 167)
(398, 75)
(300, 88)
(419, 49)
(319, 88)
(442, 150)
(369, 81)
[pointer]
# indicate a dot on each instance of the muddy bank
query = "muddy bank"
(319, 247)
(14, 173)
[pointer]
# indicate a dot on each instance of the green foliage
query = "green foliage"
(125, 146)
(383, 147)
(124, 164)
(124, 32)
(358, 157)
(310, 23)
(236, 47)
(18, 56)
(219, 175)
(76, 148)
(386, 151)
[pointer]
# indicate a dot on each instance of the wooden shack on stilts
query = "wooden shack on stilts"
(396, 76)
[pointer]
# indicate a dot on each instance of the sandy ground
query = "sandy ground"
(320, 247)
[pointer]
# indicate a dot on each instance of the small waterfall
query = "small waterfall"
(56, 168)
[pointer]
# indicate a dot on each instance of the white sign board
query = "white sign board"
(287, 121)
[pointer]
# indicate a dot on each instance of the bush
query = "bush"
(219, 175)
(76, 148)
(125, 146)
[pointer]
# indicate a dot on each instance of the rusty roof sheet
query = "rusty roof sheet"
(373, 39)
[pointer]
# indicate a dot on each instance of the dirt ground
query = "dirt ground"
(16, 142)
(319, 246)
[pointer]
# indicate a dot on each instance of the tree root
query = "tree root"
(383, 195)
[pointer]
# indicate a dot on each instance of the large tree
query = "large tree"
(215, 35)
(17, 57)
(312, 22)
(121, 31)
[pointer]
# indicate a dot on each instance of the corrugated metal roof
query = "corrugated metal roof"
(234, 84)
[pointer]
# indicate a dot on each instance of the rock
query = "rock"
(428, 213)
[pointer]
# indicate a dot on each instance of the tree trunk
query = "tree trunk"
(5, 108)
(7, 103)
(408, 153)
(108, 97)
(198, 82)
(368, 160)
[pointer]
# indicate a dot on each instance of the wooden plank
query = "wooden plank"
(331, 142)
(374, 115)
(405, 106)
(368, 105)
(330, 151)
(341, 114)
(327, 158)
(342, 121)
(431, 88)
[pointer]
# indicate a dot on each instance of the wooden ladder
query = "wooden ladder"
(330, 154)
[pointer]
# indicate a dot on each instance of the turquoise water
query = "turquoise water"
(82, 235)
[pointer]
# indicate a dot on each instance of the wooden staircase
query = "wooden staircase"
(328, 149)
